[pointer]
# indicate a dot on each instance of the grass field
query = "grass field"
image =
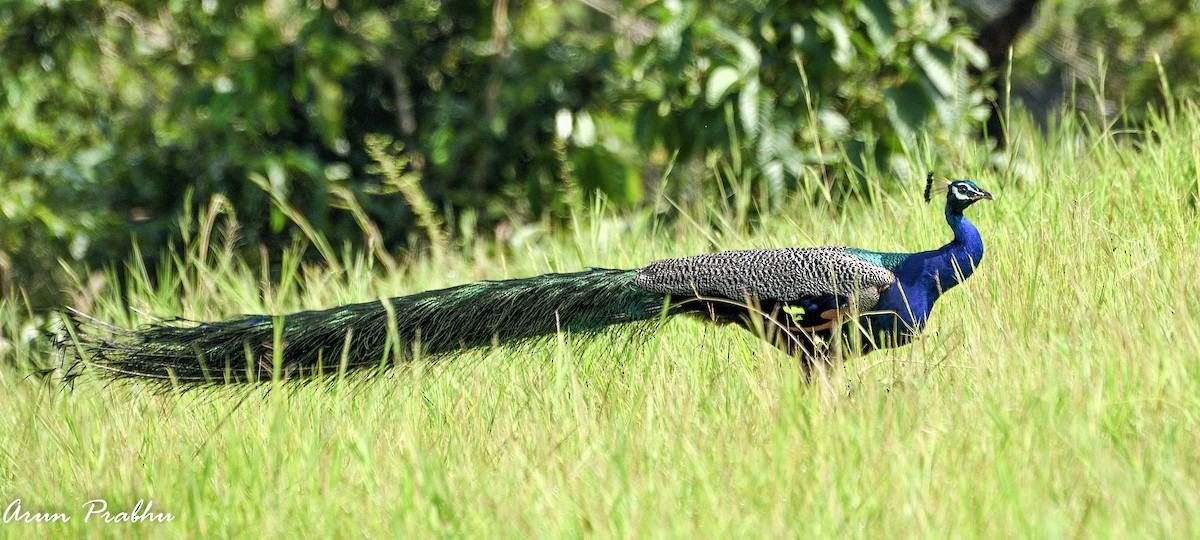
(1056, 393)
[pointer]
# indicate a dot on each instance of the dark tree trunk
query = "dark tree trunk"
(995, 39)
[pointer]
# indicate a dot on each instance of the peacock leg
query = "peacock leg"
(807, 347)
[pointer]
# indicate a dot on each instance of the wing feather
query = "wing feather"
(789, 275)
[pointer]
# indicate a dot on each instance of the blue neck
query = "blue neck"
(957, 260)
(924, 276)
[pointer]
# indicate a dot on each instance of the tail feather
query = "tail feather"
(358, 335)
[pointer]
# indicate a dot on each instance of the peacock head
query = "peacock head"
(959, 194)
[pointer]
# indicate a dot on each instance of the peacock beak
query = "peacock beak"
(983, 195)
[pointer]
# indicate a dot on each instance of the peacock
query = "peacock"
(813, 302)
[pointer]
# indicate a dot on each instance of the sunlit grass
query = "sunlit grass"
(1056, 393)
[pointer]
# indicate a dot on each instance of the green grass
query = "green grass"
(1056, 393)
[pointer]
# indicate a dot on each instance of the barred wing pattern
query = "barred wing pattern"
(821, 282)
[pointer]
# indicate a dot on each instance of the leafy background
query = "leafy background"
(123, 119)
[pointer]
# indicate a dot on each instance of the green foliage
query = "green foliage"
(829, 86)
(119, 110)
(121, 114)
(1133, 57)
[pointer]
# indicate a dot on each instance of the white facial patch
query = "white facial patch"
(962, 192)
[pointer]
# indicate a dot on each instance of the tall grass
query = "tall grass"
(1056, 393)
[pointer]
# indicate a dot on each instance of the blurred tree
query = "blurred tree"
(121, 108)
(802, 86)
(118, 110)
(1131, 57)
(997, 34)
